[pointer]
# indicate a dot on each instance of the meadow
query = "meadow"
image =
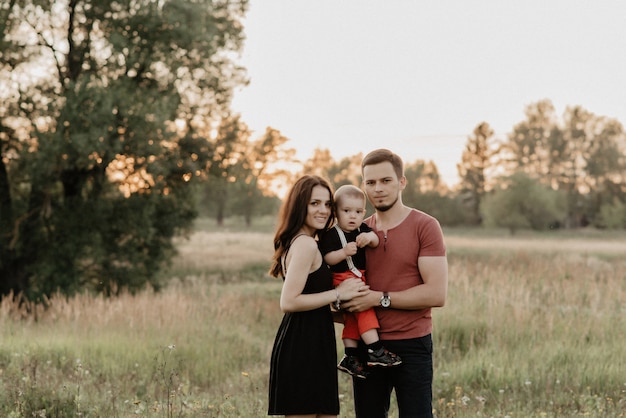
(534, 326)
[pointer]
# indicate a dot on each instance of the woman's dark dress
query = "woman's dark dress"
(303, 368)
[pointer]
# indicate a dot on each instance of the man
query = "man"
(408, 275)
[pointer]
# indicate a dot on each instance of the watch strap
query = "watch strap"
(385, 298)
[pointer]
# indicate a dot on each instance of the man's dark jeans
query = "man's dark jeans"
(412, 381)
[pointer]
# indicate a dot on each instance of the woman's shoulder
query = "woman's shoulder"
(304, 241)
(302, 248)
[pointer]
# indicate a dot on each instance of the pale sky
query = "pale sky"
(418, 76)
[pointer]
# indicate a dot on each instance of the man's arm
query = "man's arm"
(432, 293)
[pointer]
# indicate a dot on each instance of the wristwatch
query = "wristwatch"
(385, 300)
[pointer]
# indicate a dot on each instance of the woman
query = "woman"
(303, 373)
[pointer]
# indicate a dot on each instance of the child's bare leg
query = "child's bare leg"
(350, 343)
(369, 336)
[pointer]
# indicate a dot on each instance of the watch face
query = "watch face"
(385, 302)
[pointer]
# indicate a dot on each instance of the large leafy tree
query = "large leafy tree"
(104, 106)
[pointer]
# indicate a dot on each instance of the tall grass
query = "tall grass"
(533, 327)
(529, 333)
(175, 353)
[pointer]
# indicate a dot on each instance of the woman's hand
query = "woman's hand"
(362, 301)
(351, 288)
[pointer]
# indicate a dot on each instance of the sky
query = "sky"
(418, 76)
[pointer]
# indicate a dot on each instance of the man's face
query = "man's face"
(382, 185)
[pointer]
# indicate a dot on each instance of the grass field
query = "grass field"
(534, 326)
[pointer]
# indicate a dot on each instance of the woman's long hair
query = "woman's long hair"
(293, 214)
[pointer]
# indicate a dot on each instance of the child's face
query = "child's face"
(350, 213)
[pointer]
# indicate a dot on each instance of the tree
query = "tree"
(95, 171)
(422, 178)
(345, 171)
(245, 174)
(258, 170)
(582, 156)
(595, 174)
(611, 216)
(532, 144)
(475, 161)
(521, 202)
(425, 191)
(228, 151)
(320, 163)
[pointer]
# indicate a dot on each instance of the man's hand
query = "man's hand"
(362, 302)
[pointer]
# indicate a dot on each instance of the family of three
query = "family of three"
(389, 270)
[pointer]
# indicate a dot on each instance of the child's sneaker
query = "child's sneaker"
(352, 366)
(382, 357)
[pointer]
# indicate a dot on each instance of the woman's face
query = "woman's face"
(318, 210)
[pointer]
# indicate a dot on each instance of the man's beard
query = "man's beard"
(385, 208)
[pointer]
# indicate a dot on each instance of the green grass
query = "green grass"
(531, 334)
(533, 327)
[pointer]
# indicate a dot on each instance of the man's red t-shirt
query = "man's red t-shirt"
(392, 266)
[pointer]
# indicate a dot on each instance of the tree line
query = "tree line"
(116, 133)
(548, 172)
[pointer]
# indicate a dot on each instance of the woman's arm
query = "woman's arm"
(304, 257)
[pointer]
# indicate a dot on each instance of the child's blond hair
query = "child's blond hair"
(348, 190)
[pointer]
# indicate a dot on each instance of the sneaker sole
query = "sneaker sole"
(375, 363)
(351, 373)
